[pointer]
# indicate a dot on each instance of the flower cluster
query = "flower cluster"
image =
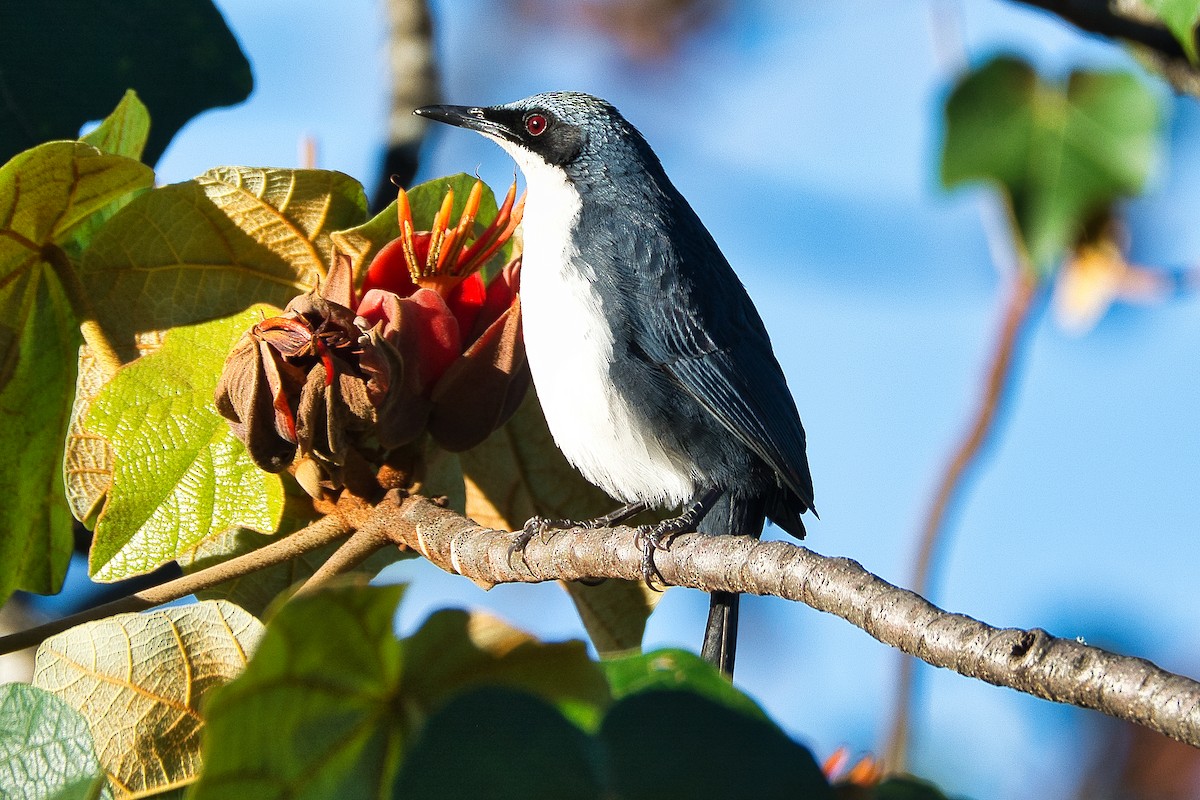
(428, 345)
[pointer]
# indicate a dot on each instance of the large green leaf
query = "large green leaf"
(65, 62)
(211, 246)
(46, 195)
(503, 745)
(715, 751)
(180, 476)
(675, 669)
(518, 473)
(1061, 154)
(140, 680)
(331, 700)
(46, 748)
(1180, 17)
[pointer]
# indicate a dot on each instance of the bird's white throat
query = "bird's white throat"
(569, 344)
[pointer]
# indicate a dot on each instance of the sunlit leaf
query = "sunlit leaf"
(518, 473)
(1061, 154)
(1180, 17)
(66, 62)
(503, 745)
(180, 476)
(211, 246)
(140, 680)
(125, 130)
(46, 749)
(45, 195)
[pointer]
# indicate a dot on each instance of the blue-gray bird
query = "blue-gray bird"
(652, 365)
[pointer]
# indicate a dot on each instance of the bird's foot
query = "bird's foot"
(535, 526)
(658, 537)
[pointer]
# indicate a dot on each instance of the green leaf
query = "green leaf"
(363, 242)
(518, 473)
(714, 752)
(125, 130)
(676, 669)
(66, 62)
(140, 680)
(1060, 155)
(500, 744)
(46, 749)
(454, 651)
(1180, 17)
(320, 710)
(46, 194)
(212, 246)
(180, 476)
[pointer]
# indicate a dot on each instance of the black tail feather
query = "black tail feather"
(733, 513)
(720, 634)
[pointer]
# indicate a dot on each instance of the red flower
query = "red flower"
(427, 291)
(430, 346)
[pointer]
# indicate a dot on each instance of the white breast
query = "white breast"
(569, 344)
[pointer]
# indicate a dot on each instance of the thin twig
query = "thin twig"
(325, 530)
(966, 456)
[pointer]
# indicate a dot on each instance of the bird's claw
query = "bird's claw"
(651, 538)
(535, 526)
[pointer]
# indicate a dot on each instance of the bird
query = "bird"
(652, 365)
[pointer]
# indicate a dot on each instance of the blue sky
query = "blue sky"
(806, 136)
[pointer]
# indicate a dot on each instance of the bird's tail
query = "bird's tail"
(732, 514)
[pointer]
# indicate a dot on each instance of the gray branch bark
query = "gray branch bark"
(1031, 661)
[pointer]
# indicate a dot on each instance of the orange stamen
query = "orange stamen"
(403, 209)
(410, 256)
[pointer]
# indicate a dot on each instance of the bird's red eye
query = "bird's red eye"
(535, 124)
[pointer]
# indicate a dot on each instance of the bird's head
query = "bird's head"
(570, 131)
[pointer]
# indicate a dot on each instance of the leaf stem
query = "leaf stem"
(325, 530)
(1018, 306)
(89, 324)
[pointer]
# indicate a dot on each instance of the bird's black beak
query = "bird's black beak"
(483, 120)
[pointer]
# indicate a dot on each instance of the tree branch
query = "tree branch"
(1105, 17)
(1033, 661)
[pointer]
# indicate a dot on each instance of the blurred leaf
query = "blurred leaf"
(140, 679)
(676, 669)
(363, 242)
(46, 748)
(125, 130)
(45, 194)
(320, 711)
(518, 473)
(66, 62)
(455, 650)
(1180, 17)
(1060, 155)
(714, 752)
(500, 744)
(255, 592)
(180, 476)
(211, 246)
